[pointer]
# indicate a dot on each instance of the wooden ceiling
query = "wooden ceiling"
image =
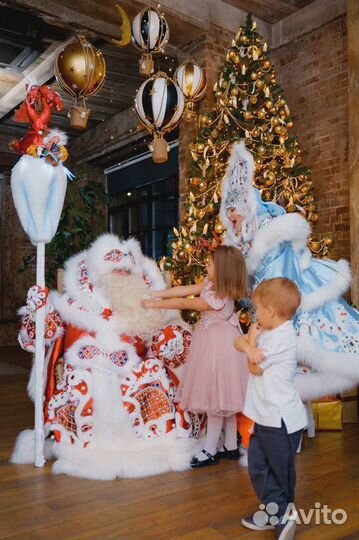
(270, 11)
(117, 93)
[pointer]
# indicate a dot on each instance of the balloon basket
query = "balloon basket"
(189, 114)
(146, 65)
(159, 149)
(79, 117)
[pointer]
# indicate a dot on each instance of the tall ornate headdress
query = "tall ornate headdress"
(239, 194)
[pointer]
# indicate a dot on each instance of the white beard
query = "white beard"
(125, 294)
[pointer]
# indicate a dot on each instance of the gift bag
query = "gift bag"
(328, 413)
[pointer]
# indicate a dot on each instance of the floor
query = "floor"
(205, 504)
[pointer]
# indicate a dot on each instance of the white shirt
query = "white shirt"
(273, 396)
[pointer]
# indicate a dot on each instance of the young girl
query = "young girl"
(216, 376)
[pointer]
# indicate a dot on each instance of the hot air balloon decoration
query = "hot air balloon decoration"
(150, 34)
(192, 81)
(80, 69)
(159, 103)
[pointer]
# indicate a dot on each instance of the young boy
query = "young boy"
(273, 403)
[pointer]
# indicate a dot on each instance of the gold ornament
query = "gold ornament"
(214, 133)
(178, 282)
(201, 214)
(181, 255)
(269, 104)
(247, 115)
(260, 84)
(199, 148)
(315, 246)
(254, 76)
(253, 100)
(237, 59)
(329, 242)
(218, 228)
(281, 102)
(80, 69)
(291, 206)
(261, 150)
(314, 218)
(195, 181)
(290, 124)
(125, 29)
(266, 64)
(235, 91)
(244, 318)
(261, 113)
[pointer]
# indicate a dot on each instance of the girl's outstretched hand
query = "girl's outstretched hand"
(146, 304)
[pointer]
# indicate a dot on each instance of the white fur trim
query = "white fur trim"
(151, 270)
(287, 228)
(333, 372)
(331, 291)
(98, 266)
(125, 458)
(24, 451)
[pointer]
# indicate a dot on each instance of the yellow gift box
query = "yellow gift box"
(328, 414)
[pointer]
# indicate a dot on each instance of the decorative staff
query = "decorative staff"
(38, 184)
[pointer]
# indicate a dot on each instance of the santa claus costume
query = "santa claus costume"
(112, 369)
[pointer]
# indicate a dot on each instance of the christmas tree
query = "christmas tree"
(249, 105)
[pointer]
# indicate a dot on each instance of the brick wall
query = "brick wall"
(14, 247)
(313, 73)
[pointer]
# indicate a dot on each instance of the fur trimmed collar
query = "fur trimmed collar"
(287, 228)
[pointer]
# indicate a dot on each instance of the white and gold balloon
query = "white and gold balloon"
(192, 81)
(159, 104)
(150, 34)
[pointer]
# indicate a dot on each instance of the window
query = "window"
(145, 203)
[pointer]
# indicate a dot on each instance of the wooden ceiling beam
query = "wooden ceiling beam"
(40, 74)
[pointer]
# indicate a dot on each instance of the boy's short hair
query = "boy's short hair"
(281, 293)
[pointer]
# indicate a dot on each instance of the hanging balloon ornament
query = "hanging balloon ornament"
(159, 103)
(192, 81)
(80, 70)
(150, 34)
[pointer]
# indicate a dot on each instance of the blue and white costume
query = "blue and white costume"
(275, 244)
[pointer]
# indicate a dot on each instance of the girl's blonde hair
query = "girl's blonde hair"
(230, 272)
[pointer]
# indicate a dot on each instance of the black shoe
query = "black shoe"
(211, 460)
(250, 523)
(229, 454)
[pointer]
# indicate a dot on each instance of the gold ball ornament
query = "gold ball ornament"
(195, 181)
(214, 133)
(231, 54)
(269, 104)
(261, 150)
(253, 100)
(329, 242)
(247, 115)
(181, 256)
(271, 177)
(188, 247)
(218, 228)
(244, 318)
(189, 220)
(314, 218)
(254, 76)
(80, 68)
(199, 148)
(201, 214)
(260, 74)
(237, 59)
(260, 84)
(261, 113)
(224, 83)
(266, 65)
(278, 129)
(235, 91)
(281, 102)
(290, 124)
(255, 133)
(315, 246)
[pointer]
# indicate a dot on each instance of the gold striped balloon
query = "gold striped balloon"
(192, 81)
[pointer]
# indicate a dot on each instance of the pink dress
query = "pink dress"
(216, 376)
